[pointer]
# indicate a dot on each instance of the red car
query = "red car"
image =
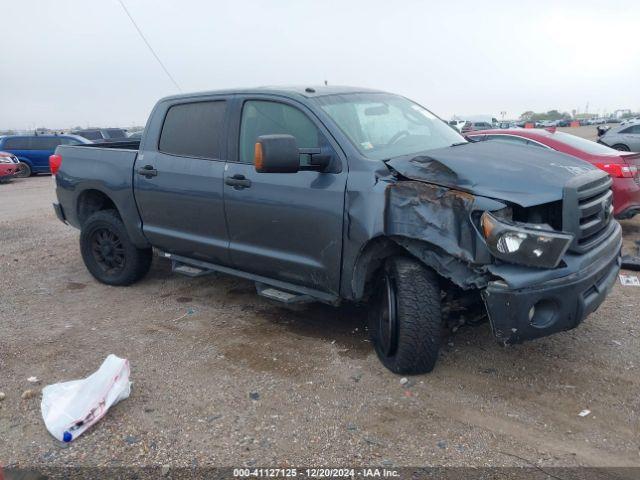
(8, 166)
(622, 166)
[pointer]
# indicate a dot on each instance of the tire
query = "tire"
(621, 146)
(24, 171)
(405, 317)
(108, 253)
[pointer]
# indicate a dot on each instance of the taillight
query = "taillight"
(619, 170)
(54, 163)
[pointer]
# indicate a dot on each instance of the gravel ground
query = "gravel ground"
(223, 377)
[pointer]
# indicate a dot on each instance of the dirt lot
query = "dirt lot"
(224, 377)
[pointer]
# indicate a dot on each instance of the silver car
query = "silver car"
(624, 137)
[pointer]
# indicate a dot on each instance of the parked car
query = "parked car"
(9, 166)
(631, 120)
(33, 151)
(135, 134)
(625, 138)
(563, 123)
(471, 126)
(343, 194)
(622, 167)
(102, 135)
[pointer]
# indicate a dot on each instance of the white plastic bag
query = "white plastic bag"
(69, 408)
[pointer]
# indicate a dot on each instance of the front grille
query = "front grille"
(588, 209)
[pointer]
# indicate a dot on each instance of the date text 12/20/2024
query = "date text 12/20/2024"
(316, 472)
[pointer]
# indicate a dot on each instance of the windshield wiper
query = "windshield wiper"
(458, 144)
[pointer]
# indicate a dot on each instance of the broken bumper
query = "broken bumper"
(541, 309)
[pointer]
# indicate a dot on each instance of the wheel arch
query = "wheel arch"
(369, 261)
(93, 200)
(377, 250)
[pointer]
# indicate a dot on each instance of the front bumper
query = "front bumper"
(8, 170)
(538, 310)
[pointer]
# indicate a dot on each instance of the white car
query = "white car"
(630, 120)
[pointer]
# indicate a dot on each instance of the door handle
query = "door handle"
(238, 181)
(148, 171)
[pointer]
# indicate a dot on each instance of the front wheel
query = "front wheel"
(24, 170)
(109, 254)
(405, 318)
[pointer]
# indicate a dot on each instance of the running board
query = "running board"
(300, 293)
(282, 296)
(188, 270)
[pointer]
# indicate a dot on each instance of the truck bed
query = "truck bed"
(99, 168)
(120, 145)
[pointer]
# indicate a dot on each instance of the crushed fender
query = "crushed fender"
(434, 224)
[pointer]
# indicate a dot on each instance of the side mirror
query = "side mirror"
(280, 154)
(276, 154)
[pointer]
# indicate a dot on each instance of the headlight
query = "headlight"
(525, 245)
(6, 160)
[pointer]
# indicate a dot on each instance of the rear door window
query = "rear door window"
(194, 130)
(17, 143)
(45, 143)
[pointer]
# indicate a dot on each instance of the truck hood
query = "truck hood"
(523, 175)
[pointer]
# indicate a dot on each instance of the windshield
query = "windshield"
(382, 125)
(585, 145)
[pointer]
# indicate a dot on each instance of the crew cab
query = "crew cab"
(338, 194)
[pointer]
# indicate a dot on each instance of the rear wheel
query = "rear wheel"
(109, 254)
(24, 170)
(405, 319)
(621, 147)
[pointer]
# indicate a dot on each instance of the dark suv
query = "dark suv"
(99, 135)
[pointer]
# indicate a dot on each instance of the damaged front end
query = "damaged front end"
(519, 250)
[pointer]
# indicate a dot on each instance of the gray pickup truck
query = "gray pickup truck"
(338, 194)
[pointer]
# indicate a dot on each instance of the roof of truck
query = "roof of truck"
(306, 91)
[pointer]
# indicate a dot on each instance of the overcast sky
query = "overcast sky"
(81, 62)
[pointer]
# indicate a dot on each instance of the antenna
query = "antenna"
(149, 45)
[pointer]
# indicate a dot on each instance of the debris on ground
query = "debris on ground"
(33, 380)
(630, 262)
(629, 280)
(404, 381)
(190, 311)
(27, 394)
(584, 413)
(2, 396)
(254, 396)
(70, 408)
